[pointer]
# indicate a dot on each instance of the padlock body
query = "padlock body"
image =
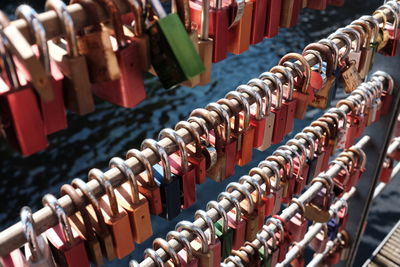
(170, 193)
(280, 124)
(258, 21)
(127, 91)
(21, 119)
(317, 4)
(239, 228)
(273, 18)
(239, 35)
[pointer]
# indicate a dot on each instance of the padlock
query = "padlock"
(349, 75)
(82, 223)
(37, 250)
(196, 157)
(318, 209)
(310, 166)
(67, 247)
(229, 142)
(95, 44)
(343, 217)
(351, 127)
(218, 23)
(257, 120)
(331, 141)
(53, 112)
(20, 113)
(269, 251)
(300, 165)
(387, 95)
(171, 46)
(235, 221)
(342, 179)
(288, 170)
(360, 166)
(297, 227)
(217, 141)
(322, 97)
(255, 220)
(278, 109)
(353, 162)
(182, 168)
(148, 187)
(185, 255)
(240, 25)
(249, 210)
(27, 60)
(356, 32)
(317, 4)
(318, 243)
(201, 248)
(128, 90)
(336, 2)
(316, 163)
(182, 8)
(115, 216)
(390, 48)
(284, 241)
(273, 18)
(263, 127)
(386, 172)
(139, 35)
(259, 17)
(77, 87)
(97, 218)
(133, 202)
(267, 198)
(290, 10)
(245, 144)
(169, 183)
(214, 245)
(222, 229)
(160, 243)
(318, 77)
(289, 101)
(276, 186)
(302, 95)
(205, 43)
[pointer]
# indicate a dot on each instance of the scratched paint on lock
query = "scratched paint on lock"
(92, 140)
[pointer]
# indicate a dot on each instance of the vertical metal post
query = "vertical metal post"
(380, 133)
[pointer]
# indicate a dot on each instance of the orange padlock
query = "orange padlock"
(240, 27)
(115, 217)
(135, 204)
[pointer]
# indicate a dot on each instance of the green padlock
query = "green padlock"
(173, 55)
(222, 230)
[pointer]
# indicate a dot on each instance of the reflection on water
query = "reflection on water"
(92, 140)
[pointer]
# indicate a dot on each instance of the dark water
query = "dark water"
(92, 140)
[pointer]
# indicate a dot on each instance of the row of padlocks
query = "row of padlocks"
(105, 217)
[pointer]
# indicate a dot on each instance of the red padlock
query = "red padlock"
(336, 2)
(196, 157)
(288, 169)
(387, 95)
(128, 90)
(289, 102)
(53, 112)
(273, 18)
(14, 259)
(257, 115)
(318, 243)
(342, 179)
(386, 172)
(278, 109)
(317, 4)
(303, 96)
(290, 11)
(284, 240)
(300, 165)
(258, 20)
(297, 227)
(218, 26)
(20, 114)
(66, 244)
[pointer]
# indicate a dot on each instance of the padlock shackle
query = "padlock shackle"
(278, 86)
(158, 8)
(178, 140)
(67, 24)
(115, 16)
(247, 89)
(121, 165)
(162, 154)
(268, 95)
(205, 19)
(138, 155)
(138, 12)
(288, 77)
(30, 233)
(38, 31)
